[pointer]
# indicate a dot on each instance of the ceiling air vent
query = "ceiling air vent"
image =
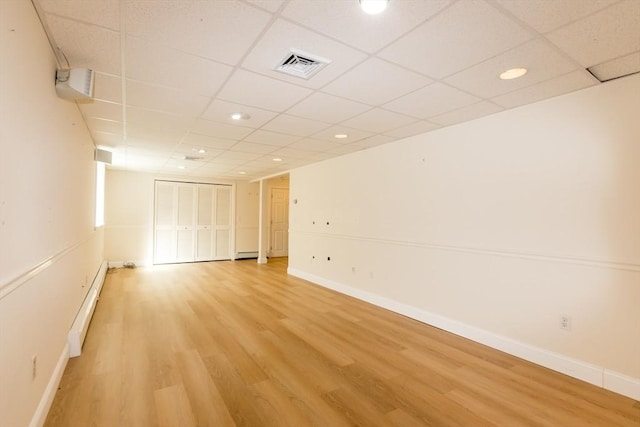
(301, 64)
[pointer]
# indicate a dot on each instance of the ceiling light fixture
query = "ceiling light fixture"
(341, 136)
(373, 7)
(277, 159)
(181, 167)
(240, 116)
(242, 173)
(513, 73)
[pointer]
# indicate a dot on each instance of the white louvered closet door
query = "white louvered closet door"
(192, 222)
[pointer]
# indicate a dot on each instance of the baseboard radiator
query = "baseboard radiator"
(80, 325)
(247, 255)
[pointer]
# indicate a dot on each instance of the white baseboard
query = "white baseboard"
(622, 384)
(40, 416)
(597, 375)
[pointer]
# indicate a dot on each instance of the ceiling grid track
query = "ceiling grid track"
(123, 68)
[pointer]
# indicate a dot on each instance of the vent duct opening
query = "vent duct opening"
(301, 64)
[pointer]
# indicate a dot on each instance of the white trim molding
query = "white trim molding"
(40, 416)
(596, 375)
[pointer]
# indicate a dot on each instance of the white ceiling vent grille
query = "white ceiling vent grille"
(302, 64)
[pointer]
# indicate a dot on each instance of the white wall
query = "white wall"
(49, 250)
(247, 215)
(128, 231)
(495, 229)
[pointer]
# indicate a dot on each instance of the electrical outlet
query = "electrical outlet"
(34, 366)
(565, 323)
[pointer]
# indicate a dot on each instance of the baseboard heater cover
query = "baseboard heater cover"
(81, 323)
(247, 255)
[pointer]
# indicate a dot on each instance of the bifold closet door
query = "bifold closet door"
(223, 222)
(185, 227)
(206, 230)
(192, 222)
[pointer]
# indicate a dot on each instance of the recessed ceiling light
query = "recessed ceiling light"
(181, 167)
(202, 151)
(277, 159)
(373, 7)
(513, 73)
(240, 116)
(242, 173)
(341, 135)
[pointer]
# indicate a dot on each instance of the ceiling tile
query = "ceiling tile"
(327, 108)
(482, 108)
(105, 13)
(374, 141)
(292, 125)
(236, 155)
(352, 135)
(431, 101)
(270, 5)
(107, 87)
(158, 119)
(194, 151)
(108, 139)
(220, 130)
(165, 99)
(271, 138)
(87, 46)
(376, 82)
(345, 149)
(102, 125)
(545, 15)
(378, 120)
(293, 153)
(468, 32)
(542, 61)
(102, 109)
(152, 143)
(153, 63)
(275, 46)
(152, 133)
(345, 20)
(251, 147)
(314, 145)
(203, 28)
(220, 111)
(412, 129)
(618, 67)
(258, 91)
(550, 88)
(608, 34)
(208, 142)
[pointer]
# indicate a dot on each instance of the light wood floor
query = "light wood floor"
(237, 343)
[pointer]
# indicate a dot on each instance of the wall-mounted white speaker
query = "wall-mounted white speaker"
(103, 156)
(75, 83)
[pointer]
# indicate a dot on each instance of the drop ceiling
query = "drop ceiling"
(170, 73)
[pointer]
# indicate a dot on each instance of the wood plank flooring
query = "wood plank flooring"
(242, 344)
